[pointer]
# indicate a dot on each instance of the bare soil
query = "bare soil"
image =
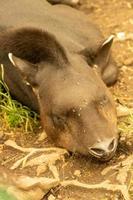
(113, 17)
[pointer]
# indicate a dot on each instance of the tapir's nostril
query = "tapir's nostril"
(104, 150)
(97, 151)
(111, 145)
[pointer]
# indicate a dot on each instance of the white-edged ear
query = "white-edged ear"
(99, 56)
(10, 56)
(27, 69)
(21, 64)
(103, 53)
(109, 40)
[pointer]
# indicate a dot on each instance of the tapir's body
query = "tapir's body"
(77, 37)
(70, 26)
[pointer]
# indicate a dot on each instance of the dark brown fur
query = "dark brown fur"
(33, 45)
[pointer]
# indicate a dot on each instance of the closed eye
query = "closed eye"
(59, 121)
(103, 101)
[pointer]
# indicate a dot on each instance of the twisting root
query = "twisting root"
(103, 185)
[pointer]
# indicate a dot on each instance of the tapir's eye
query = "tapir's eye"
(103, 101)
(59, 122)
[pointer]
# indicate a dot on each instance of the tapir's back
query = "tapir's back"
(69, 26)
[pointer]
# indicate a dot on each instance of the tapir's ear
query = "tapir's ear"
(27, 69)
(103, 54)
(99, 56)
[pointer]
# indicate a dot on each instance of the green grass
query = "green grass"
(13, 114)
(5, 196)
(125, 125)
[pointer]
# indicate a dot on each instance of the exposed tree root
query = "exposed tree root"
(122, 169)
(103, 185)
(26, 183)
(45, 160)
(13, 144)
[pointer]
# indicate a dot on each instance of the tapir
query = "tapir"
(58, 63)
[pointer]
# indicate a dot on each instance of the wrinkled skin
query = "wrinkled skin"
(62, 76)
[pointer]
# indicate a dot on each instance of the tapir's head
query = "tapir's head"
(77, 110)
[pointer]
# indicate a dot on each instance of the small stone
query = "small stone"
(42, 136)
(130, 78)
(129, 143)
(129, 5)
(121, 36)
(106, 194)
(122, 157)
(116, 198)
(79, 114)
(122, 111)
(74, 2)
(77, 173)
(131, 21)
(128, 61)
(122, 139)
(51, 197)
(59, 197)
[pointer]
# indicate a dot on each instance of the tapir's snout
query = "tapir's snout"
(104, 150)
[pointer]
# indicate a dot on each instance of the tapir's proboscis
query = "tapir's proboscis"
(59, 64)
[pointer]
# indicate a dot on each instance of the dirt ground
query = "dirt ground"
(113, 17)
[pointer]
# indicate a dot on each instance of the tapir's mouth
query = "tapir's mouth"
(103, 158)
(104, 154)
